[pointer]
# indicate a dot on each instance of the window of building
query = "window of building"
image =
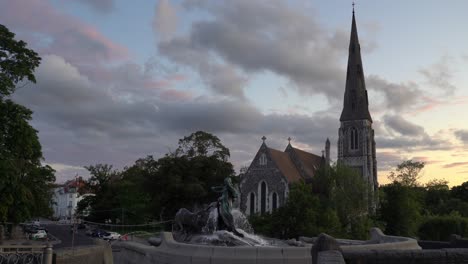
(70, 195)
(263, 198)
(274, 201)
(252, 203)
(70, 203)
(354, 139)
(263, 159)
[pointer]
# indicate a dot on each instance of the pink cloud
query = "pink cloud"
(456, 164)
(153, 84)
(63, 34)
(176, 95)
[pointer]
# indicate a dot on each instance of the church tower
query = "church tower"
(356, 144)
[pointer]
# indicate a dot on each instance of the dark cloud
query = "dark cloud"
(402, 126)
(397, 97)
(258, 36)
(412, 144)
(82, 122)
(462, 134)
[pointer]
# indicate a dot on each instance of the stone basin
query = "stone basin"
(171, 251)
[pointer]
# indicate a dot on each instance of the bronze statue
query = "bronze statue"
(228, 194)
(187, 224)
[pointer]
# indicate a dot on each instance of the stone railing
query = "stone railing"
(26, 254)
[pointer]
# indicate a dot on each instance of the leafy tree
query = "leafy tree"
(407, 173)
(24, 182)
(202, 143)
(297, 217)
(185, 178)
(437, 197)
(400, 209)
(156, 189)
(104, 204)
(346, 194)
(17, 62)
(460, 192)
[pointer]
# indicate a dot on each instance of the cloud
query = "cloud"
(82, 121)
(462, 134)
(402, 126)
(51, 31)
(455, 164)
(439, 75)
(165, 20)
(257, 36)
(102, 6)
(397, 97)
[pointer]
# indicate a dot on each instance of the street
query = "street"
(62, 232)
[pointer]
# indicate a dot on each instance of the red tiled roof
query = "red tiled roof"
(310, 162)
(285, 165)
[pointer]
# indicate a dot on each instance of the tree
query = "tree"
(202, 143)
(104, 205)
(156, 189)
(17, 62)
(298, 217)
(400, 209)
(184, 178)
(407, 173)
(24, 182)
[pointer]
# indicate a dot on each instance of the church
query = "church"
(265, 185)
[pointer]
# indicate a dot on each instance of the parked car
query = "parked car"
(89, 232)
(99, 233)
(81, 226)
(39, 234)
(111, 236)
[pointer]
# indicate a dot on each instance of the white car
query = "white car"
(111, 236)
(39, 234)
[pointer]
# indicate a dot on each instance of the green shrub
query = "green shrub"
(441, 227)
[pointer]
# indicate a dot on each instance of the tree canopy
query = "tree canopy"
(155, 189)
(17, 62)
(25, 185)
(407, 173)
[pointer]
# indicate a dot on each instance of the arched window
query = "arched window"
(263, 159)
(263, 198)
(252, 203)
(354, 139)
(275, 201)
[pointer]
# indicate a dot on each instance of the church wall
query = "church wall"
(251, 181)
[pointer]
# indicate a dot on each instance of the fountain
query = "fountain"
(221, 234)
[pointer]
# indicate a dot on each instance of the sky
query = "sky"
(120, 80)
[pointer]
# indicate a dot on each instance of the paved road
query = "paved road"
(63, 233)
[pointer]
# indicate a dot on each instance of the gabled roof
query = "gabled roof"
(310, 162)
(285, 165)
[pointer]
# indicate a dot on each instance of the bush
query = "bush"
(440, 228)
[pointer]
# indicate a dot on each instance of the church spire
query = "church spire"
(355, 104)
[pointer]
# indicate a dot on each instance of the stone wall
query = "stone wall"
(101, 253)
(407, 257)
(171, 251)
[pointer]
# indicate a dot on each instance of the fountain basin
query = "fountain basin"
(171, 251)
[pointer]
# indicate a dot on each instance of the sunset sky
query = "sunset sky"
(120, 80)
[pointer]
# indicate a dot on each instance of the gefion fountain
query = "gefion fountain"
(221, 234)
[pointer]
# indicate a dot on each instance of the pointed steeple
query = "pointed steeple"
(355, 104)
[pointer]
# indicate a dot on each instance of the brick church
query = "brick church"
(265, 185)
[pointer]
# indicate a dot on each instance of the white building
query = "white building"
(66, 198)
